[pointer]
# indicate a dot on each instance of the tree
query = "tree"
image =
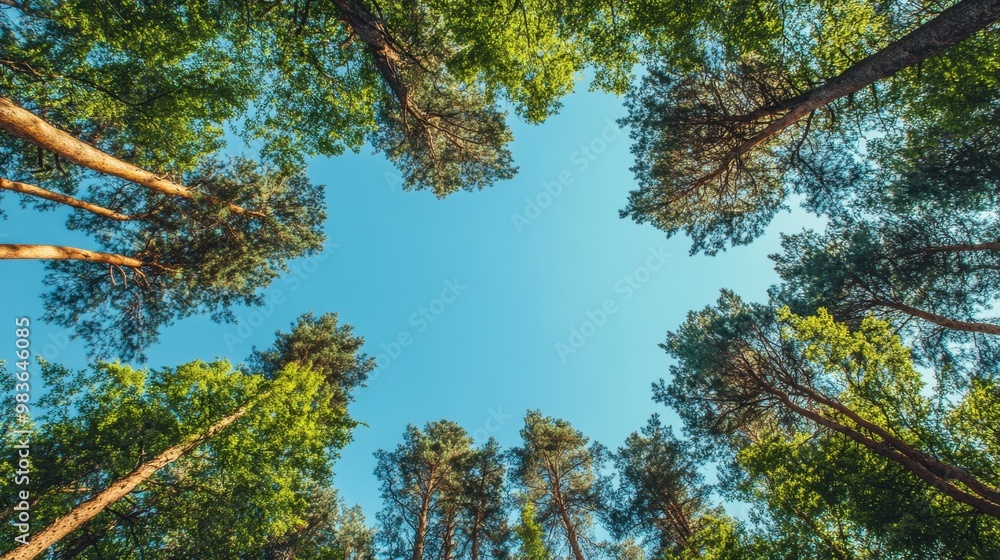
(818, 495)
(719, 538)
(712, 159)
(184, 259)
(741, 374)
(555, 470)
(930, 276)
(419, 482)
(421, 82)
(530, 536)
(483, 502)
(915, 243)
(130, 104)
(323, 345)
(92, 507)
(196, 461)
(660, 496)
(331, 530)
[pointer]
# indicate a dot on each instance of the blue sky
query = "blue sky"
(485, 289)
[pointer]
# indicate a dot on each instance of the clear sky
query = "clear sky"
(485, 289)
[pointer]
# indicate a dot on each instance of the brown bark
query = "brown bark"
(946, 322)
(564, 517)
(679, 521)
(39, 192)
(958, 248)
(474, 537)
(951, 27)
(385, 54)
(448, 537)
(420, 534)
(22, 123)
(388, 57)
(935, 465)
(941, 484)
(931, 470)
(477, 521)
(119, 489)
(56, 252)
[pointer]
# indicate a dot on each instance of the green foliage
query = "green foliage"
(419, 484)
(718, 538)
(696, 117)
(530, 536)
(331, 530)
(148, 80)
(442, 497)
(262, 483)
(198, 257)
(916, 246)
(817, 423)
(322, 345)
(556, 470)
(305, 81)
(825, 497)
(660, 498)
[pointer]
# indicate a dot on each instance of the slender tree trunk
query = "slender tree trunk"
(22, 123)
(679, 521)
(941, 484)
(119, 489)
(39, 192)
(370, 30)
(935, 465)
(931, 470)
(959, 248)
(448, 538)
(946, 322)
(388, 57)
(564, 518)
(951, 27)
(57, 252)
(420, 536)
(474, 531)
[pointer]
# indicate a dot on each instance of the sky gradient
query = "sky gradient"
(532, 294)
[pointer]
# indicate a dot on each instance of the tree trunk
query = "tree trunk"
(420, 536)
(39, 192)
(935, 465)
(448, 538)
(931, 470)
(474, 531)
(946, 322)
(388, 56)
(20, 122)
(943, 485)
(385, 54)
(679, 521)
(961, 248)
(57, 252)
(564, 518)
(119, 489)
(951, 27)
